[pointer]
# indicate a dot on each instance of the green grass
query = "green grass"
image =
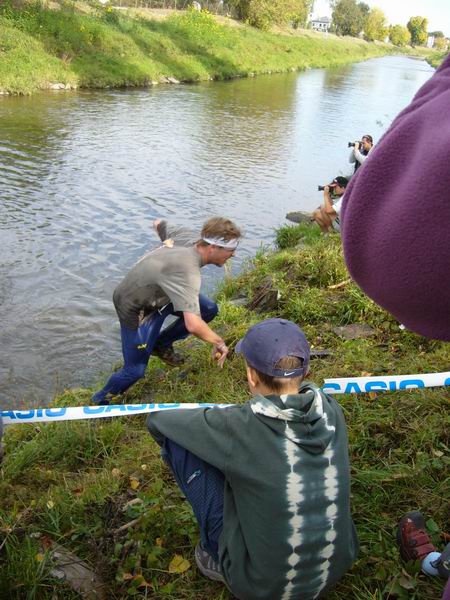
(39, 46)
(71, 482)
(436, 58)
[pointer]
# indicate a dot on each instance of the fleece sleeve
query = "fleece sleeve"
(396, 214)
(202, 431)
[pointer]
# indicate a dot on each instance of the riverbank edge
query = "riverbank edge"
(100, 490)
(64, 50)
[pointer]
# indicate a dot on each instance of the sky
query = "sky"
(398, 12)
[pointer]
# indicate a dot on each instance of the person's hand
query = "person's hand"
(220, 352)
(326, 189)
(156, 223)
(356, 145)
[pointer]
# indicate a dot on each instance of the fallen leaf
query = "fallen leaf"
(39, 557)
(134, 483)
(144, 467)
(406, 582)
(178, 564)
(50, 504)
(116, 472)
(372, 395)
(159, 542)
(127, 576)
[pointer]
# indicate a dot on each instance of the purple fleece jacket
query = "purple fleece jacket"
(446, 595)
(396, 214)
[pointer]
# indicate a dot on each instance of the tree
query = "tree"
(437, 34)
(417, 27)
(441, 44)
(399, 35)
(376, 27)
(265, 13)
(349, 17)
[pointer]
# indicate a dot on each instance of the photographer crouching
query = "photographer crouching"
(360, 150)
(327, 215)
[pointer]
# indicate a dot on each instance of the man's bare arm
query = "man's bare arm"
(198, 327)
(328, 203)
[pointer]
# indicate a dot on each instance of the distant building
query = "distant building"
(321, 24)
(430, 41)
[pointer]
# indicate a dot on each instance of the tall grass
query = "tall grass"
(73, 482)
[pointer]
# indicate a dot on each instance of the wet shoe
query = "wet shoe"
(100, 399)
(169, 356)
(412, 537)
(207, 565)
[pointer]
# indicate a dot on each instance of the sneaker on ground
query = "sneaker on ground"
(169, 356)
(100, 399)
(207, 565)
(412, 537)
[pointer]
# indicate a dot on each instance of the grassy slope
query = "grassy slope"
(108, 48)
(70, 481)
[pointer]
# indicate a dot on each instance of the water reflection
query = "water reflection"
(84, 174)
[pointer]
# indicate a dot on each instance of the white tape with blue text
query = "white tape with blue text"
(346, 385)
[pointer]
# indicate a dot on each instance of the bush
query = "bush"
(399, 35)
(265, 13)
(289, 236)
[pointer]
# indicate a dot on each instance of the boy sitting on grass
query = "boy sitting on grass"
(268, 480)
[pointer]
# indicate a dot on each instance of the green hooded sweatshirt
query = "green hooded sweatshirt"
(287, 528)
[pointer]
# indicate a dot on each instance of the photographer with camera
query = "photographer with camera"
(360, 150)
(327, 215)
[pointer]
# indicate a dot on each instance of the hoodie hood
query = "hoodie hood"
(308, 418)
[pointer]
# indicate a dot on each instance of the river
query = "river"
(83, 174)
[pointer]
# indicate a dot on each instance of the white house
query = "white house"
(321, 24)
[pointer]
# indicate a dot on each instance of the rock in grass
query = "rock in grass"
(265, 297)
(354, 331)
(76, 573)
(239, 301)
(299, 216)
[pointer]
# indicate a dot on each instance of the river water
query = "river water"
(83, 174)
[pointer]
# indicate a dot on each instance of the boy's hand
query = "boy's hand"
(220, 352)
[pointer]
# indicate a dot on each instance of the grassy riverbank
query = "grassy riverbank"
(40, 48)
(100, 490)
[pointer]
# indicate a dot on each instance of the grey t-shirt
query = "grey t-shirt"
(162, 276)
(181, 236)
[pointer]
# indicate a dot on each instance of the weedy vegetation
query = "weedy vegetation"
(100, 490)
(98, 46)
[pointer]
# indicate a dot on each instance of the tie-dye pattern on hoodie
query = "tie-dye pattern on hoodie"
(287, 528)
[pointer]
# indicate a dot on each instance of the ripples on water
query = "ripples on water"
(84, 174)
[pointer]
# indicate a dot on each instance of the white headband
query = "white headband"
(228, 244)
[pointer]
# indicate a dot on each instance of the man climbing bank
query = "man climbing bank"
(166, 281)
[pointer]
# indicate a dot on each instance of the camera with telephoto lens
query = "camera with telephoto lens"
(321, 188)
(352, 144)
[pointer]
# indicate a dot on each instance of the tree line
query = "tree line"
(350, 17)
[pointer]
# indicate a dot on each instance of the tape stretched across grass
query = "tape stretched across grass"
(347, 385)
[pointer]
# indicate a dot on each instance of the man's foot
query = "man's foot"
(169, 356)
(207, 565)
(101, 399)
(412, 537)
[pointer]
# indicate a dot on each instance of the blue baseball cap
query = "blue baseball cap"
(266, 343)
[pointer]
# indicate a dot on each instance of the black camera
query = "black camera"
(321, 188)
(352, 144)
